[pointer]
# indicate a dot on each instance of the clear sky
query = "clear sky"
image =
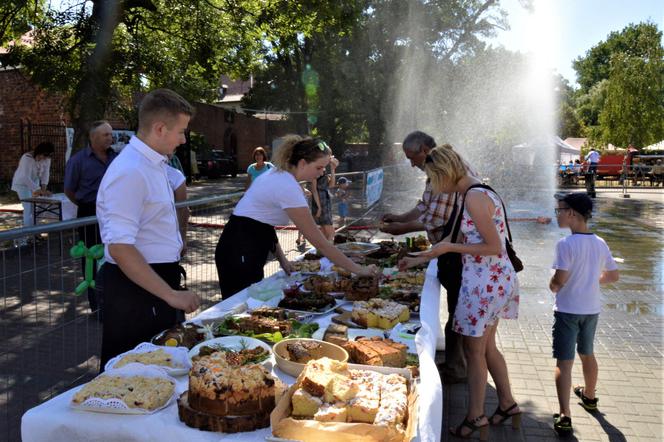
(574, 26)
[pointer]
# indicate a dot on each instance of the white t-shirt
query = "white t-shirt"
(175, 177)
(584, 256)
(268, 197)
(593, 156)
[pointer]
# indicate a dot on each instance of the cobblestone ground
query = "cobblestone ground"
(629, 340)
(628, 347)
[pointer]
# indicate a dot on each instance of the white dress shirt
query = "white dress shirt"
(135, 205)
(31, 173)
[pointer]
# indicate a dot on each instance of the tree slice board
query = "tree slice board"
(222, 424)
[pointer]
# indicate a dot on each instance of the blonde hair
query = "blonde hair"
(295, 148)
(444, 167)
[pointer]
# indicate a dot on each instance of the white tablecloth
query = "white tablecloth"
(55, 420)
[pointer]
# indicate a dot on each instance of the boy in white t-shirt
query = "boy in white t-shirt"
(582, 262)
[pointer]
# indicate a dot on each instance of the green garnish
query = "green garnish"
(299, 330)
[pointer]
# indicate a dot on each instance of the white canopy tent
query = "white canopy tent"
(527, 153)
(656, 146)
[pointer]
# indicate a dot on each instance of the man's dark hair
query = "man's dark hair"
(45, 148)
(416, 139)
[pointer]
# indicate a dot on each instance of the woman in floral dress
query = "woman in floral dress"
(489, 288)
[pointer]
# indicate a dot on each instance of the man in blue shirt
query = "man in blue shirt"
(83, 174)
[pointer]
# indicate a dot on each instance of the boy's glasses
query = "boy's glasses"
(323, 146)
(559, 210)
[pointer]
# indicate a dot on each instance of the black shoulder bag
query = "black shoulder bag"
(449, 264)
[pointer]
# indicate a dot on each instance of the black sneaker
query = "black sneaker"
(562, 425)
(588, 404)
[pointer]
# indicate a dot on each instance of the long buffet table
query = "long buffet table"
(55, 420)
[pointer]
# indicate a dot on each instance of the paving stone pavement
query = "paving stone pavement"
(629, 350)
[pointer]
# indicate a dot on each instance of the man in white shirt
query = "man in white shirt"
(593, 157)
(139, 228)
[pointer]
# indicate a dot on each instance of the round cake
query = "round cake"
(222, 389)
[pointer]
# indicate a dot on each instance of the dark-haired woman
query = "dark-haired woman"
(259, 166)
(31, 177)
(250, 236)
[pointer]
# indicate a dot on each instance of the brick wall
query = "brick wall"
(222, 130)
(22, 101)
(28, 116)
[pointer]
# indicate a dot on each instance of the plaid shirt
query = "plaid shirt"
(435, 210)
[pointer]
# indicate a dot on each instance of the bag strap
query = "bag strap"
(486, 186)
(457, 225)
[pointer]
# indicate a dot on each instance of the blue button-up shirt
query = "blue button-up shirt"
(84, 172)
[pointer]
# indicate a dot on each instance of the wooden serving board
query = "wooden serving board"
(222, 424)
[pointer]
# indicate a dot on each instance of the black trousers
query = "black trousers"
(242, 252)
(449, 275)
(90, 236)
(131, 314)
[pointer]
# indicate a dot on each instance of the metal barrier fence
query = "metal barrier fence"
(614, 175)
(50, 338)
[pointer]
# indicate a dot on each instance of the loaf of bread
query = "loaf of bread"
(377, 351)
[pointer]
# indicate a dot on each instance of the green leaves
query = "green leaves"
(621, 99)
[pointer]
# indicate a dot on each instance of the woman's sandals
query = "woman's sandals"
(503, 415)
(473, 427)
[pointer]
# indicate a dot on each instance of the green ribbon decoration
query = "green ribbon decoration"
(91, 255)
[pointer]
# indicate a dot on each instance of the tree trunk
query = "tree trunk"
(90, 99)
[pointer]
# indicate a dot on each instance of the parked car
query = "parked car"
(216, 163)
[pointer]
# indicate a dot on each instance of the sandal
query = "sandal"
(588, 404)
(504, 415)
(562, 425)
(472, 425)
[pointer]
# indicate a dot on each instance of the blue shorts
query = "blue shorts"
(570, 331)
(343, 210)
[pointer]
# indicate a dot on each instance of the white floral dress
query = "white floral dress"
(489, 285)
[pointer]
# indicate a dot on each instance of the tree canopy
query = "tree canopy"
(101, 52)
(621, 94)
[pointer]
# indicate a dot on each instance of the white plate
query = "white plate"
(399, 334)
(178, 355)
(353, 333)
(236, 343)
(117, 406)
(357, 248)
(338, 303)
